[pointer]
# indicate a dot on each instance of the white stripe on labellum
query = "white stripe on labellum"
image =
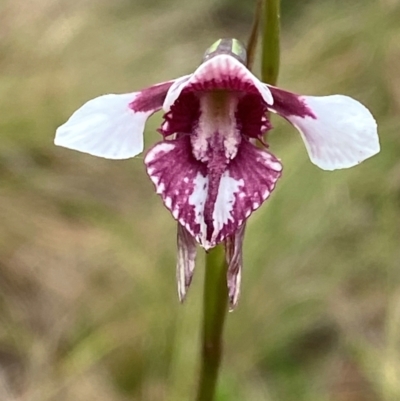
(248, 181)
(229, 189)
(197, 200)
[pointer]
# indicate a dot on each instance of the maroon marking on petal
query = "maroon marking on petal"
(225, 83)
(174, 172)
(209, 214)
(251, 116)
(289, 104)
(223, 72)
(183, 115)
(258, 171)
(151, 98)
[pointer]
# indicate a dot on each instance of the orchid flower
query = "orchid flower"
(207, 168)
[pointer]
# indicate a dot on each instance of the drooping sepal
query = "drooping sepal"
(186, 257)
(234, 260)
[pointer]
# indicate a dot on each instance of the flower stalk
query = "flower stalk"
(215, 297)
(270, 56)
(215, 304)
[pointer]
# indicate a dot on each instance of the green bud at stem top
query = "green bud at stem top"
(232, 47)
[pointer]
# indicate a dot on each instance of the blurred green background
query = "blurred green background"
(88, 304)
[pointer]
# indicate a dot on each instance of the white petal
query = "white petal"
(106, 127)
(112, 126)
(341, 133)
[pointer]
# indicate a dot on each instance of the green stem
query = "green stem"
(215, 301)
(215, 304)
(270, 42)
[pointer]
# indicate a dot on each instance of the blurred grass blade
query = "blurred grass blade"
(253, 38)
(270, 42)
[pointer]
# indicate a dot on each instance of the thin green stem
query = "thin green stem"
(215, 305)
(270, 42)
(215, 301)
